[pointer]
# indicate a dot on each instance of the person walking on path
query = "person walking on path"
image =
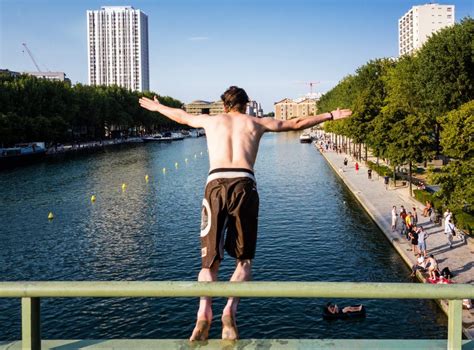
(447, 217)
(231, 200)
(357, 167)
(386, 181)
(394, 218)
(449, 231)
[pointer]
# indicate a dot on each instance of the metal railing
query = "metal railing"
(31, 292)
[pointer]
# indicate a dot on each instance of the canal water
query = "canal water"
(310, 229)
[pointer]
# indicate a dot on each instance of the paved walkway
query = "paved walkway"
(378, 202)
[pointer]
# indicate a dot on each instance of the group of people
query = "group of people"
(427, 264)
(409, 228)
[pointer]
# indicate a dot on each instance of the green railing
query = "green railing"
(31, 292)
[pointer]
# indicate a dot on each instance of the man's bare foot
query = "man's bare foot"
(229, 328)
(201, 331)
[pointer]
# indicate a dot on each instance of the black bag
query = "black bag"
(446, 273)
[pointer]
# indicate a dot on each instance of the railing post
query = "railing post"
(455, 325)
(30, 324)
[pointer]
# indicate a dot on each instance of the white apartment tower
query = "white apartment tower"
(117, 47)
(417, 25)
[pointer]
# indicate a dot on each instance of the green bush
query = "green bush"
(382, 170)
(463, 220)
(422, 196)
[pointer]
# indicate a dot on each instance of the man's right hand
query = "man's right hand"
(151, 105)
(341, 113)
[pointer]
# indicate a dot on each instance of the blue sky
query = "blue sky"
(200, 47)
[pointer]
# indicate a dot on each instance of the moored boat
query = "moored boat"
(157, 138)
(306, 138)
(21, 154)
(177, 136)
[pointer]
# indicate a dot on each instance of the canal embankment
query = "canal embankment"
(378, 202)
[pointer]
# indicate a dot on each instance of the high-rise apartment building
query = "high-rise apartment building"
(117, 47)
(418, 24)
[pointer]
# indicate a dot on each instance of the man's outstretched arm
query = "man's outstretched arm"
(272, 124)
(176, 114)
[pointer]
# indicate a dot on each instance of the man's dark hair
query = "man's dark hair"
(235, 98)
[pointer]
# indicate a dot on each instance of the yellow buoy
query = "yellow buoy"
(186, 160)
(50, 216)
(93, 198)
(164, 170)
(176, 165)
(146, 178)
(124, 186)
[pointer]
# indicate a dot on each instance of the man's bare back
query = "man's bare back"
(232, 140)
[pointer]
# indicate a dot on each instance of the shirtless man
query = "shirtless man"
(231, 199)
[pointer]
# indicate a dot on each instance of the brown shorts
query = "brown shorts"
(230, 203)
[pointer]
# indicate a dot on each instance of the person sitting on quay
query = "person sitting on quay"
(420, 265)
(428, 209)
(432, 266)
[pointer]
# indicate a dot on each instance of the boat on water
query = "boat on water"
(306, 138)
(177, 136)
(22, 153)
(157, 138)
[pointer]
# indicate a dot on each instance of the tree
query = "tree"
(446, 68)
(456, 179)
(33, 109)
(369, 98)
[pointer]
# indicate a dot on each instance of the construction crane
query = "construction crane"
(31, 56)
(310, 83)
